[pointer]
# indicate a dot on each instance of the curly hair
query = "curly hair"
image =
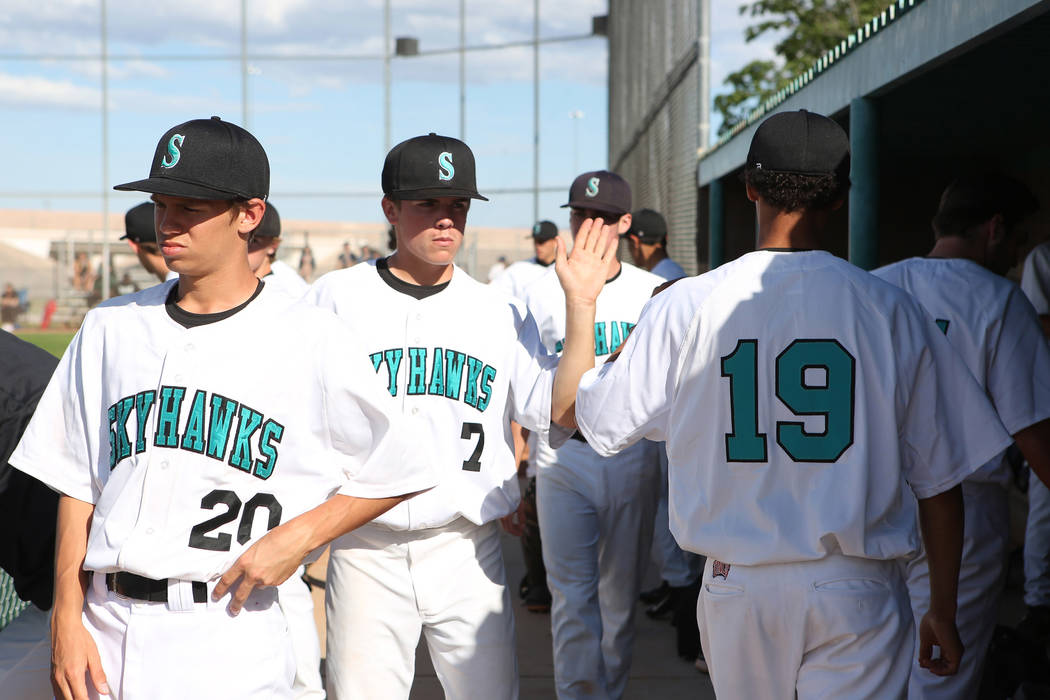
(795, 192)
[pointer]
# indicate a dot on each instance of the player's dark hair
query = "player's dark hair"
(972, 200)
(795, 192)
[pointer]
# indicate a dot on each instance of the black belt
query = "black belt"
(579, 436)
(151, 590)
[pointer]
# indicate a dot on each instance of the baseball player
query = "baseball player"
(598, 513)
(799, 397)
(1035, 283)
(27, 524)
(293, 595)
(993, 326)
(468, 360)
(679, 570)
(262, 256)
(172, 457)
(647, 242)
(521, 274)
(142, 239)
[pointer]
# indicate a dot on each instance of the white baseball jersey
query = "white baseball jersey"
(288, 279)
(796, 394)
(619, 305)
(465, 358)
(1035, 278)
(186, 455)
(516, 278)
(668, 269)
(988, 320)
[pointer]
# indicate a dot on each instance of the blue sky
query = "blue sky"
(321, 121)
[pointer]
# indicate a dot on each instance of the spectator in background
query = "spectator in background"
(9, 307)
(141, 236)
(347, 257)
(307, 264)
(126, 285)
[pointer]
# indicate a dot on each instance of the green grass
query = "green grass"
(54, 342)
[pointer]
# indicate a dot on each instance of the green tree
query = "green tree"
(810, 27)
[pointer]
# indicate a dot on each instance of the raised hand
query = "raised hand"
(583, 272)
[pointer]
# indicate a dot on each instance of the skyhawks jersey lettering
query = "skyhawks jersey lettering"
(465, 359)
(999, 338)
(1035, 277)
(187, 457)
(516, 278)
(619, 304)
(797, 395)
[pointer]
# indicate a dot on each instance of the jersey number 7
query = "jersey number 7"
(832, 369)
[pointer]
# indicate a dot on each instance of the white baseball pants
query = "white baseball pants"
(181, 649)
(25, 656)
(384, 586)
(839, 627)
(597, 520)
(986, 535)
(298, 607)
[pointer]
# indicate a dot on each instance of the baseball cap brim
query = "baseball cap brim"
(596, 206)
(434, 193)
(176, 188)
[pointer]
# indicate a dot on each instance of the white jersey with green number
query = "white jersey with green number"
(799, 396)
(191, 446)
(465, 358)
(988, 320)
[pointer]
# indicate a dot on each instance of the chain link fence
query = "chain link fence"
(654, 111)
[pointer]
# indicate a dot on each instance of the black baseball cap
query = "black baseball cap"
(544, 231)
(601, 190)
(270, 226)
(648, 225)
(207, 159)
(800, 143)
(430, 166)
(138, 224)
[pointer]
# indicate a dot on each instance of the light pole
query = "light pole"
(576, 115)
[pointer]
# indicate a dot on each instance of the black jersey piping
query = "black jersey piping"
(187, 319)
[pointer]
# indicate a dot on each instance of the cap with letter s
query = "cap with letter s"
(430, 166)
(602, 191)
(207, 159)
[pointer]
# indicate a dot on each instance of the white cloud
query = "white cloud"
(34, 91)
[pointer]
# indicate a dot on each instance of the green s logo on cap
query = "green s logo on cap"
(536, 229)
(447, 172)
(173, 151)
(592, 187)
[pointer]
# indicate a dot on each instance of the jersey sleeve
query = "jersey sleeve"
(947, 428)
(628, 399)
(378, 450)
(532, 370)
(1035, 278)
(1019, 366)
(61, 445)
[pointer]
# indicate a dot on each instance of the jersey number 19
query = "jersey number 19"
(830, 397)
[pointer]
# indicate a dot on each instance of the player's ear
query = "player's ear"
(624, 224)
(391, 210)
(251, 214)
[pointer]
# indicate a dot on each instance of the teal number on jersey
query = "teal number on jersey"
(832, 371)
(745, 443)
(832, 398)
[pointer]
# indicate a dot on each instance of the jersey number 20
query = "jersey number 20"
(199, 537)
(831, 398)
